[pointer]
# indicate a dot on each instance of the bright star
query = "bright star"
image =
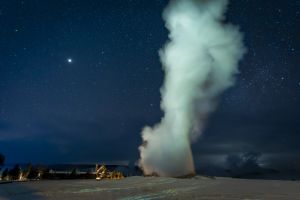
(69, 60)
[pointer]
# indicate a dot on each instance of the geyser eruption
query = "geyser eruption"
(200, 61)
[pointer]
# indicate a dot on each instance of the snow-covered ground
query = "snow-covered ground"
(138, 188)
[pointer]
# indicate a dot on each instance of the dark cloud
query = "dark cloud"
(245, 162)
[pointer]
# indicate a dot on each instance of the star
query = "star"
(69, 60)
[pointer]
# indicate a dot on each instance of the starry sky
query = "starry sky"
(80, 79)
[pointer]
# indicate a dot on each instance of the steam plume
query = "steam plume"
(200, 62)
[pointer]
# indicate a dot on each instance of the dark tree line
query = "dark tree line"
(2, 159)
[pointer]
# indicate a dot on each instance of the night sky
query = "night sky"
(79, 79)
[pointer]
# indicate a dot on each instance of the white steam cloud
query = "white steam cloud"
(200, 62)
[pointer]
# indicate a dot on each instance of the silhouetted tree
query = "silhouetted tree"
(26, 171)
(4, 174)
(42, 171)
(14, 173)
(2, 159)
(73, 174)
(33, 173)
